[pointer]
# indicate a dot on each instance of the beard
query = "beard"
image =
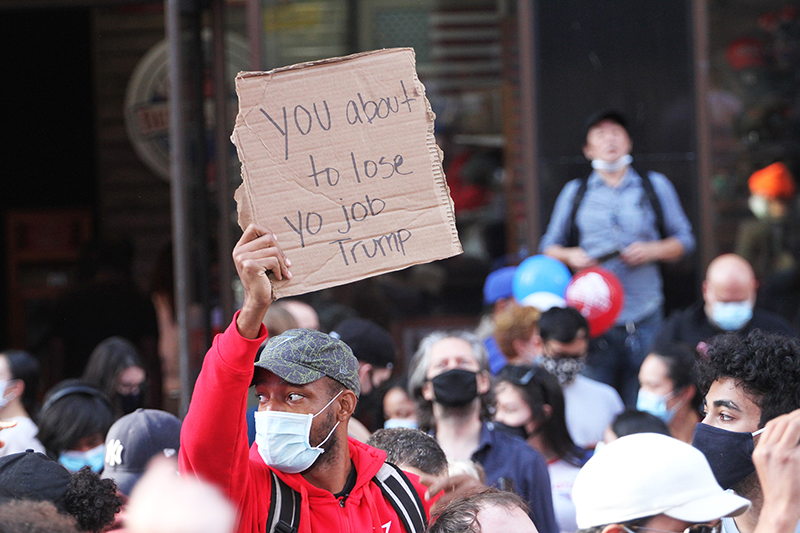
(331, 445)
(749, 487)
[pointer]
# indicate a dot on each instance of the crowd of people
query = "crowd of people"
(689, 423)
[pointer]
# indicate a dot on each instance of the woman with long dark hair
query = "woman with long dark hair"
(117, 370)
(530, 403)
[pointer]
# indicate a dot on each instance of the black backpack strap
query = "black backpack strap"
(284, 507)
(655, 202)
(573, 233)
(404, 498)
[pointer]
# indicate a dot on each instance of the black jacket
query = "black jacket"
(692, 326)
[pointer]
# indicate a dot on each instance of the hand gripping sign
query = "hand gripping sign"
(339, 160)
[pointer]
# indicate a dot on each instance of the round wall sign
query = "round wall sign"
(147, 99)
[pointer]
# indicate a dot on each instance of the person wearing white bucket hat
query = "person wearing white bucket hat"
(651, 482)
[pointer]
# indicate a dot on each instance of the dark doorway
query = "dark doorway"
(635, 57)
(47, 149)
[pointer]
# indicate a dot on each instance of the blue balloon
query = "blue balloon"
(541, 273)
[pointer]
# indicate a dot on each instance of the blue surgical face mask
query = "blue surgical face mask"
(401, 423)
(731, 316)
(73, 460)
(656, 405)
(283, 439)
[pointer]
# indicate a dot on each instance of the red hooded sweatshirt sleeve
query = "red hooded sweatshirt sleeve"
(214, 447)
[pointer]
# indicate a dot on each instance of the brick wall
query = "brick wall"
(132, 199)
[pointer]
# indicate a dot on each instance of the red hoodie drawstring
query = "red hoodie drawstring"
(305, 511)
(373, 509)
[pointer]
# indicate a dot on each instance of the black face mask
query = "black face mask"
(519, 431)
(730, 453)
(129, 402)
(455, 388)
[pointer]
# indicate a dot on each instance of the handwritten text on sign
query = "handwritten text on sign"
(338, 159)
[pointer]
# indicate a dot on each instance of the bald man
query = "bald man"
(305, 315)
(729, 296)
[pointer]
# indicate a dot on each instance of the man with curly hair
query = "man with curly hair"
(28, 516)
(747, 382)
(91, 501)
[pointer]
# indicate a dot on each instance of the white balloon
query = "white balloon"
(543, 301)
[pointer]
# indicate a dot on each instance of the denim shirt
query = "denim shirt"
(510, 463)
(611, 218)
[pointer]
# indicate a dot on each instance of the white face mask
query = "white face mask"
(612, 166)
(283, 439)
(759, 206)
(3, 386)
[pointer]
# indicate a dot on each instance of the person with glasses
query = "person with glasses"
(590, 405)
(651, 483)
(116, 369)
(747, 382)
(530, 403)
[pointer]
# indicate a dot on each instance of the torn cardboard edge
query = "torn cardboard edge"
(328, 61)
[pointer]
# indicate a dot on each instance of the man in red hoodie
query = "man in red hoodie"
(307, 385)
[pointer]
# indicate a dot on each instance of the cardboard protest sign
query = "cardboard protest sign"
(339, 161)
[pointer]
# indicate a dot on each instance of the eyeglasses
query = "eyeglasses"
(696, 528)
(132, 388)
(526, 378)
(514, 376)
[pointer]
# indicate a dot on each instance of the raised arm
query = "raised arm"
(257, 255)
(777, 460)
(214, 442)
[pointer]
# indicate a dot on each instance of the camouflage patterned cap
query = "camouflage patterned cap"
(301, 356)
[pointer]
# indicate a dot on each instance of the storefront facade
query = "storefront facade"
(708, 86)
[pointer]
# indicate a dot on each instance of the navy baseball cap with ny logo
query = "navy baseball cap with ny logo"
(300, 356)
